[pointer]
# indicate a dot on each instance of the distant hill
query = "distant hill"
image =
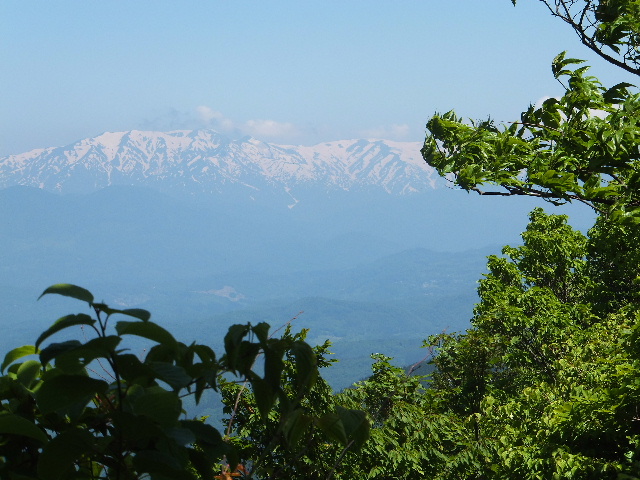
(205, 231)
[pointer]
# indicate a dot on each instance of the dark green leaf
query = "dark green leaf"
(204, 433)
(64, 322)
(58, 458)
(173, 375)
(295, 425)
(263, 393)
(261, 331)
(66, 390)
(234, 336)
(147, 330)
(77, 358)
(332, 427)
(356, 425)
(159, 405)
(17, 425)
(139, 313)
(55, 349)
(69, 290)
(306, 364)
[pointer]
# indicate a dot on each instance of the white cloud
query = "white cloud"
(210, 118)
(207, 114)
(270, 128)
(389, 132)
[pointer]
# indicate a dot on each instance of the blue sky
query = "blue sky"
(296, 72)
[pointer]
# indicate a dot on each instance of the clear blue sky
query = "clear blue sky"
(298, 71)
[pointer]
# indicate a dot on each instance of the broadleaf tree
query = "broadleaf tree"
(547, 375)
(91, 409)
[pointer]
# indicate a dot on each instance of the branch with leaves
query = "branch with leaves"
(580, 147)
(609, 28)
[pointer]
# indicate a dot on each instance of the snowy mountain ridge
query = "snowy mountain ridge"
(204, 161)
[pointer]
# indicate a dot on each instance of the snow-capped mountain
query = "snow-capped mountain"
(205, 161)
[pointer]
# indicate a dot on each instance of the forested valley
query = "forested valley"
(545, 384)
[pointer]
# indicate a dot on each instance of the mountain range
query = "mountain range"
(206, 161)
(205, 231)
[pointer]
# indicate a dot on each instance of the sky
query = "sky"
(289, 72)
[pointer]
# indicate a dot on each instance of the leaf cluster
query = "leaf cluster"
(580, 147)
(92, 409)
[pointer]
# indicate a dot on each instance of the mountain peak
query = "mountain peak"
(202, 160)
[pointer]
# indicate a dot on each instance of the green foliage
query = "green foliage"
(305, 436)
(580, 147)
(90, 410)
(610, 28)
(548, 379)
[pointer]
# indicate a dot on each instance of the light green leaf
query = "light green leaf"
(17, 353)
(28, 372)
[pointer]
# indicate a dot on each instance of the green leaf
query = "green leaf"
(204, 433)
(159, 405)
(66, 390)
(161, 465)
(17, 353)
(332, 427)
(295, 425)
(58, 458)
(355, 424)
(263, 393)
(147, 330)
(139, 313)
(234, 336)
(64, 322)
(273, 366)
(173, 375)
(182, 436)
(17, 425)
(617, 93)
(68, 290)
(261, 331)
(55, 349)
(28, 372)
(71, 360)
(306, 364)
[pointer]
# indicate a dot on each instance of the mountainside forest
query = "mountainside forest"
(543, 383)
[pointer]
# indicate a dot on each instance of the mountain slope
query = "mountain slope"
(205, 161)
